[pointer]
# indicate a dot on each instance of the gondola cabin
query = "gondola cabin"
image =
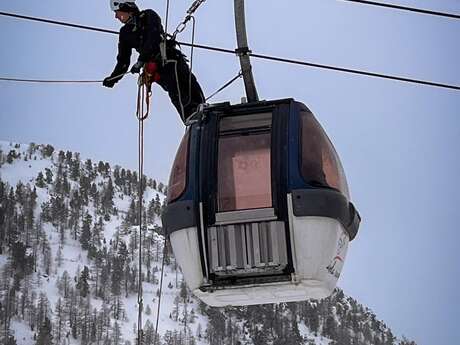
(258, 205)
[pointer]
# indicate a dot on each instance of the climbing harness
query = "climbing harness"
(144, 92)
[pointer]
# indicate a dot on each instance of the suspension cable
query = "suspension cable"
(355, 71)
(239, 75)
(143, 96)
(405, 8)
(161, 286)
(277, 59)
(51, 81)
(140, 301)
(49, 21)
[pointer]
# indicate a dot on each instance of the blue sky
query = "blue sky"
(399, 143)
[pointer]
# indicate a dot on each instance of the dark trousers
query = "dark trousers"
(184, 91)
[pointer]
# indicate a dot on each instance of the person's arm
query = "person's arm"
(123, 61)
(151, 36)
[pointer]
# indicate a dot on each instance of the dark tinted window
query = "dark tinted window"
(178, 177)
(320, 164)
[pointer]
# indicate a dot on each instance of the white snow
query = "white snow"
(74, 259)
(20, 170)
(23, 334)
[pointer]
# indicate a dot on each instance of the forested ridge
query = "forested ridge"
(69, 243)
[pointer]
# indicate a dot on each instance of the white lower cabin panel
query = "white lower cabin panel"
(186, 249)
(320, 247)
(262, 294)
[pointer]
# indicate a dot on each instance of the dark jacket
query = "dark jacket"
(144, 34)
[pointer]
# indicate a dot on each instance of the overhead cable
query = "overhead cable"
(50, 81)
(260, 56)
(60, 81)
(354, 71)
(55, 22)
(406, 8)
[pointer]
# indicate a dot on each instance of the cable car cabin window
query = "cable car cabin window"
(320, 164)
(244, 168)
(178, 177)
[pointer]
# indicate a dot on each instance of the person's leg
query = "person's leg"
(190, 91)
(194, 98)
(185, 92)
(168, 83)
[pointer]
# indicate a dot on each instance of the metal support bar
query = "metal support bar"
(243, 52)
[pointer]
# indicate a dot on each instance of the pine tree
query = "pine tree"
(68, 157)
(43, 309)
(61, 156)
(131, 217)
(59, 259)
(29, 212)
(12, 155)
(44, 336)
(75, 169)
(118, 310)
(22, 262)
(64, 284)
(85, 236)
(406, 341)
(157, 207)
(107, 198)
(47, 151)
(151, 212)
(83, 285)
(48, 176)
(149, 334)
(89, 169)
(40, 180)
(59, 317)
(117, 275)
(116, 334)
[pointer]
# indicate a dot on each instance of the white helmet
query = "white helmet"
(122, 5)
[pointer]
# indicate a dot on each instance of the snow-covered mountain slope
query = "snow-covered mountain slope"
(69, 274)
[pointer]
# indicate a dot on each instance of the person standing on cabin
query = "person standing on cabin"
(142, 31)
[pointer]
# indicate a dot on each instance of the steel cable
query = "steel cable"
(406, 8)
(267, 57)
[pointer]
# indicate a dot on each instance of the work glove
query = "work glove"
(137, 67)
(108, 82)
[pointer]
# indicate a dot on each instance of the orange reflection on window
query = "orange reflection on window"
(320, 164)
(244, 175)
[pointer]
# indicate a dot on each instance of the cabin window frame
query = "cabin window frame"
(246, 125)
